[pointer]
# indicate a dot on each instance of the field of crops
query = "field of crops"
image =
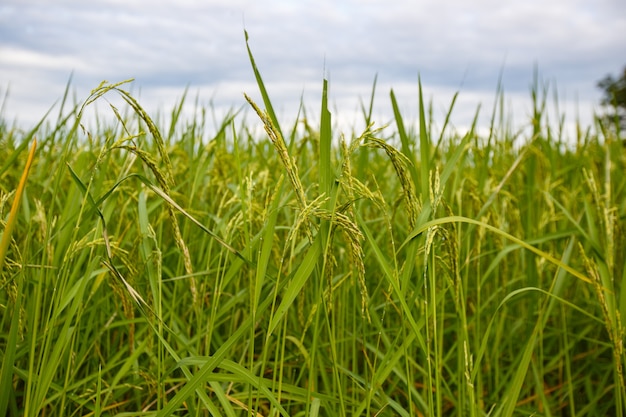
(180, 267)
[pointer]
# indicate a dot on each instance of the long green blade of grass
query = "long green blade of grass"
(404, 139)
(460, 219)
(326, 180)
(264, 94)
(298, 280)
(8, 359)
(425, 144)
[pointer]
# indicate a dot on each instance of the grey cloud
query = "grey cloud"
(453, 45)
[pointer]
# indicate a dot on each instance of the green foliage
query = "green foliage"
(212, 271)
(614, 95)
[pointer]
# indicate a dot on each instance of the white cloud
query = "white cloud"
(18, 58)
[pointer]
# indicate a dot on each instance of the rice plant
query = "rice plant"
(179, 267)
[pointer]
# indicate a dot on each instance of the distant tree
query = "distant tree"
(615, 98)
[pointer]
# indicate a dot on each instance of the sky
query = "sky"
(451, 45)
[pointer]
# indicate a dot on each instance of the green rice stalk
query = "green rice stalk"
(165, 178)
(356, 252)
(613, 324)
(288, 163)
(12, 342)
(353, 237)
(401, 165)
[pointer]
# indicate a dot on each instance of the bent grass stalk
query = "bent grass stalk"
(17, 199)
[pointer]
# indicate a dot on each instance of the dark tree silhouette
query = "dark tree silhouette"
(615, 98)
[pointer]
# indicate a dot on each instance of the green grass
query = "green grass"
(179, 268)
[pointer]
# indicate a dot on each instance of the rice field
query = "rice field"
(157, 267)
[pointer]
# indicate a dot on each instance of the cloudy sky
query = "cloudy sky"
(453, 45)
